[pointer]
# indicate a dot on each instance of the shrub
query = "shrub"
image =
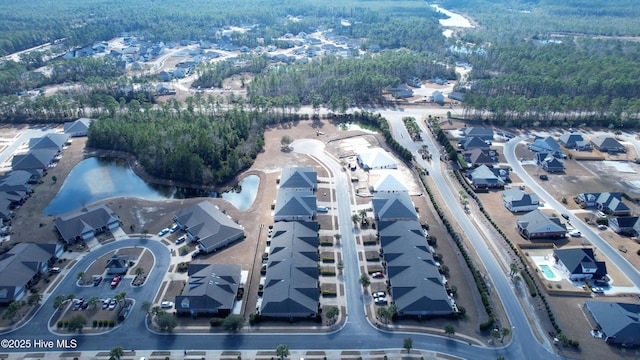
(112, 323)
(95, 323)
(60, 324)
(254, 318)
(216, 322)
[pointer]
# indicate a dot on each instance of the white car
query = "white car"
(575, 233)
(112, 304)
(597, 290)
(166, 304)
(602, 227)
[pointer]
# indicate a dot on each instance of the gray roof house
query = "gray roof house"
(401, 91)
(417, 287)
(607, 144)
(38, 159)
(292, 205)
(299, 178)
(49, 141)
(209, 226)
(437, 96)
(619, 322)
(549, 163)
(625, 225)
(393, 206)
(579, 263)
(376, 159)
(211, 289)
(481, 132)
(291, 282)
(611, 203)
(547, 145)
(21, 266)
(537, 224)
(477, 157)
(471, 143)
(117, 264)
(517, 200)
(482, 178)
(86, 223)
(574, 141)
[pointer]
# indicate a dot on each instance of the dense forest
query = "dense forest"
(184, 146)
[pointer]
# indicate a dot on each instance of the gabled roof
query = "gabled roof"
(612, 201)
(416, 284)
(291, 284)
(298, 178)
(547, 144)
(620, 321)
(518, 197)
(20, 264)
(207, 224)
(49, 141)
(389, 182)
(117, 261)
(86, 220)
(625, 221)
(477, 156)
(606, 142)
(470, 143)
(483, 174)
(569, 139)
(477, 131)
(211, 287)
(538, 222)
(34, 159)
(579, 259)
(394, 206)
(295, 203)
(376, 159)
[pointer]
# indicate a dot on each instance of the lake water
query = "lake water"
(454, 20)
(96, 179)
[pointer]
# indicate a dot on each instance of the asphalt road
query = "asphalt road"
(357, 333)
(587, 232)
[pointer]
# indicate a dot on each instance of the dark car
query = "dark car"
(97, 280)
(565, 215)
(544, 177)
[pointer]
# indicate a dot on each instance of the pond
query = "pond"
(96, 179)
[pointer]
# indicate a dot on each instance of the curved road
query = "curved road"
(357, 333)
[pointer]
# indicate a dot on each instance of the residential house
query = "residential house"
(211, 289)
(607, 144)
(165, 89)
(537, 224)
(49, 141)
(456, 95)
(77, 128)
(416, 285)
(376, 159)
(437, 97)
(579, 264)
(208, 226)
(517, 200)
(292, 205)
(625, 225)
(549, 163)
(611, 203)
(86, 223)
(481, 132)
(22, 266)
(117, 264)
(477, 157)
(291, 280)
(401, 91)
(619, 323)
(38, 160)
(471, 143)
(547, 145)
(483, 177)
(574, 141)
(393, 207)
(414, 81)
(299, 179)
(388, 182)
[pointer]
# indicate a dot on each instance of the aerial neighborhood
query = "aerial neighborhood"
(385, 180)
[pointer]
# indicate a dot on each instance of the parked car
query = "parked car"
(380, 300)
(77, 304)
(181, 239)
(378, 294)
(195, 253)
(377, 275)
(166, 304)
(116, 280)
(112, 304)
(163, 232)
(602, 227)
(174, 228)
(601, 214)
(565, 215)
(544, 177)
(575, 233)
(97, 280)
(597, 290)
(54, 270)
(105, 303)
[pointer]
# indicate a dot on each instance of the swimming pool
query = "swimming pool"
(548, 273)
